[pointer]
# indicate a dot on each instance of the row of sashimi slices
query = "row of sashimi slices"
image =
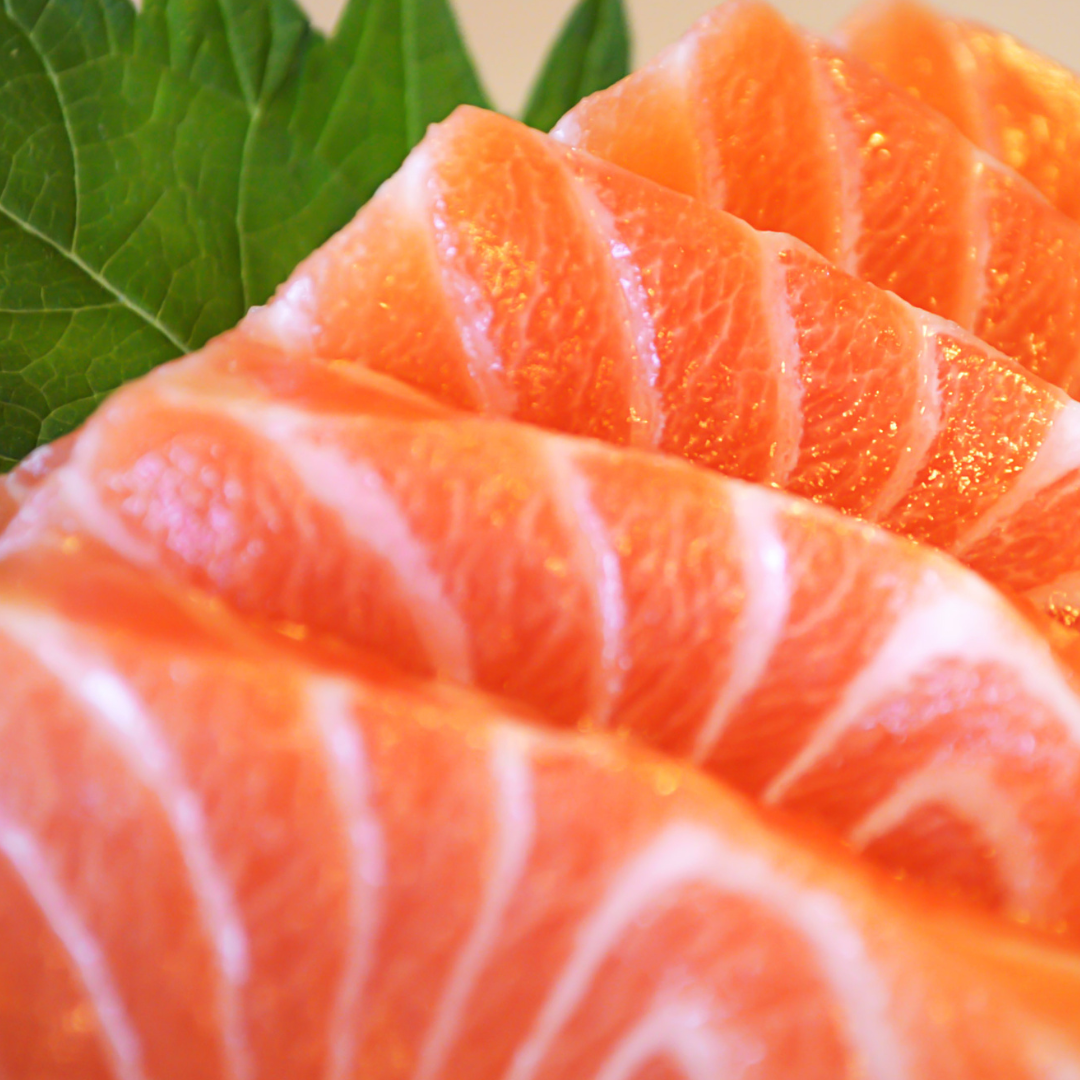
(245, 850)
(223, 858)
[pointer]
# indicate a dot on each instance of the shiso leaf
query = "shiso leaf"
(160, 172)
(591, 52)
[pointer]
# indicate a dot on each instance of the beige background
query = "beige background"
(509, 37)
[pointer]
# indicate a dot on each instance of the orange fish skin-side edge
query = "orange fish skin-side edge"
(800, 136)
(822, 666)
(1017, 104)
(502, 272)
(240, 862)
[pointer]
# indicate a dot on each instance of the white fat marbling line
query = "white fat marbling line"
(120, 716)
(978, 216)
(24, 530)
(1050, 1057)
(646, 408)
(679, 1031)
(678, 65)
(69, 500)
(762, 621)
(331, 706)
(22, 481)
(970, 792)
(567, 130)
(200, 382)
(924, 424)
(79, 508)
(288, 320)
(515, 816)
(570, 489)
(417, 191)
(1064, 1065)
(355, 491)
(848, 157)
(685, 853)
(787, 357)
(1057, 458)
(122, 1042)
(954, 616)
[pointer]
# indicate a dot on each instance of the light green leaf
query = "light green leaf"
(161, 172)
(591, 52)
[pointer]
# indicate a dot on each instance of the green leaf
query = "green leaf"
(591, 52)
(161, 172)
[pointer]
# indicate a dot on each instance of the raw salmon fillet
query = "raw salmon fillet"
(795, 134)
(241, 864)
(1020, 106)
(821, 665)
(504, 273)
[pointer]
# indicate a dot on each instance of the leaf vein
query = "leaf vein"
(69, 134)
(127, 301)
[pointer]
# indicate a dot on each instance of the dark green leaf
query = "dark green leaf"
(161, 172)
(591, 53)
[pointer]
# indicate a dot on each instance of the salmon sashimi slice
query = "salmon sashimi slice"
(610, 306)
(819, 664)
(1017, 104)
(366, 877)
(797, 135)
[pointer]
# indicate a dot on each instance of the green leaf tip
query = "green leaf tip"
(591, 52)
